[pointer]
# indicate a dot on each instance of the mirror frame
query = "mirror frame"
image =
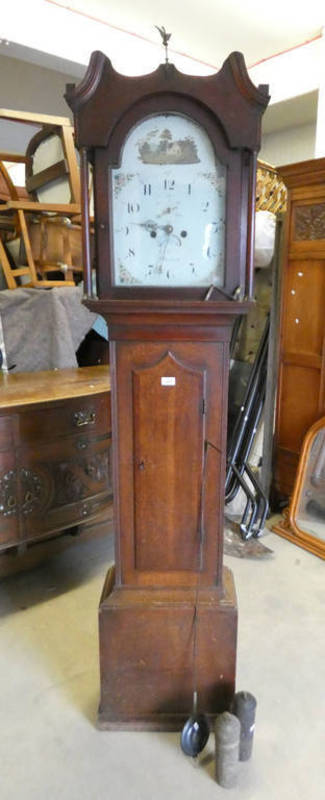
(288, 527)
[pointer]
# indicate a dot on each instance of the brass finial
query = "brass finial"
(165, 39)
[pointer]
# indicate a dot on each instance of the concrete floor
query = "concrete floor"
(49, 746)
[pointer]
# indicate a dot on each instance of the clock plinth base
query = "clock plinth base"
(146, 654)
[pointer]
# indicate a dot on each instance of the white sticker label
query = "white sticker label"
(168, 381)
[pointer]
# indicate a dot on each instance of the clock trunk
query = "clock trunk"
(168, 401)
(169, 386)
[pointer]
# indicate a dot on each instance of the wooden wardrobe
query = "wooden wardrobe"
(301, 377)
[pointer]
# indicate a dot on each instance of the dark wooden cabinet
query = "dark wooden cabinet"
(55, 452)
(301, 383)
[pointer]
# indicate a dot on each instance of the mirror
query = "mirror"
(304, 521)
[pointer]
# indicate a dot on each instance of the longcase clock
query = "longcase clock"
(173, 159)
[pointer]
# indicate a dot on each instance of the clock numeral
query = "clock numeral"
(189, 188)
(205, 205)
(210, 252)
(133, 208)
(131, 252)
(147, 188)
(216, 226)
(127, 230)
(168, 184)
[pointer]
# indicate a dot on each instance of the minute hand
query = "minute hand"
(148, 225)
(153, 226)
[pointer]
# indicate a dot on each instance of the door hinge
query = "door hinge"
(203, 405)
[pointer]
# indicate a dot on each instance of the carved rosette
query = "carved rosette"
(309, 222)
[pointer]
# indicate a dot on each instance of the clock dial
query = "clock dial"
(169, 206)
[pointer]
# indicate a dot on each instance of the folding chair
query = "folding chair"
(51, 242)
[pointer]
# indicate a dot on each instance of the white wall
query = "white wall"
(289, 146)
(63, 32)
(26, 87)
(293, 73)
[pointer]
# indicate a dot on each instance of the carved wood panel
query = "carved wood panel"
(8, 493)
(52, 476)
(309, 222)
(72, 478)
(75, 480)
(9, 499)
(36, 490)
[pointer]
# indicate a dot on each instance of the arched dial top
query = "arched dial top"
(124, 125)
(218, 93)
(169, 208)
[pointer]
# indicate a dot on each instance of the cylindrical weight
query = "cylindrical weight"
(227, 733)
(244, 707)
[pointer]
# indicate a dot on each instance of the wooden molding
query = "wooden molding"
(288, 527)
(304, 173)
(213, 92)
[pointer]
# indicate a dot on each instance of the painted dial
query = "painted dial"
(169, 206)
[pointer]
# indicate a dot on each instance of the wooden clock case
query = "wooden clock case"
(166, 491)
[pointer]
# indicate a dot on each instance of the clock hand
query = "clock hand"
(162, 253)
(148, 225)
(153, 227)
(169, 230)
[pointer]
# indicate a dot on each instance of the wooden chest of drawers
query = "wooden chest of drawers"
(55, 452)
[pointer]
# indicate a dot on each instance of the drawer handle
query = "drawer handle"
(81, 418)
(11, 502)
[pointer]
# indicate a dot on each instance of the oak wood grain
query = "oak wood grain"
(147, 611)
(29, 388)
(301, 382)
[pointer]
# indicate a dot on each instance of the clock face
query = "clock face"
(169, 206)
